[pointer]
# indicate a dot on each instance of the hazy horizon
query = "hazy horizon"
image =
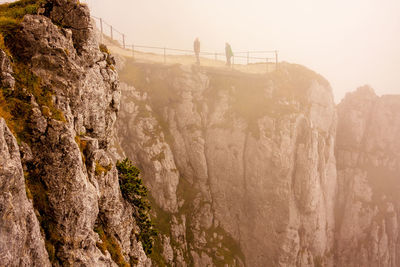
(351, 43)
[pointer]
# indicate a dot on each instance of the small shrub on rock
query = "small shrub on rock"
(135, 192)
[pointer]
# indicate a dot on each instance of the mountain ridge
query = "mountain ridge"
(242, 169)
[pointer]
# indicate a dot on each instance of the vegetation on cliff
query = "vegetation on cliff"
(37, 191)
(16, 107)
(108, 243)
(211, 118)
(17, 103)
(31, 107)
(11, 14)
(135, 192)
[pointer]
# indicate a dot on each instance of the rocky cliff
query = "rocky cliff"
(60, 198)
(368, 163)
(241, 166)
(243, 169)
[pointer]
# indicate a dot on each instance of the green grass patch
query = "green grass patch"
(110, 244)
(99, 169)
(103, 48)
(82, 144)
(38, 193)
(16, 105)
(5, 112)
(16, 108)
(12, 14)
(8, 27)
(17, 10)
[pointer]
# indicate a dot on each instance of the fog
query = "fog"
(351, 43)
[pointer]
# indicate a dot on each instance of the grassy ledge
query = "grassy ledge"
(16, 105)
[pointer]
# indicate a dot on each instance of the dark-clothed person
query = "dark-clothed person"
(196, 48)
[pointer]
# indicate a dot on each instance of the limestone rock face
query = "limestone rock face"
(142, 138)
(243, 169)
(67, 159)
(6, 78)
(21, 243)
(70, 14)
(368, 166)
(241, 166)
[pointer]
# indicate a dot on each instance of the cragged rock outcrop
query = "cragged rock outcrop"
(255, 178)
(6, 78)
(65, 148)
(368, 166)
(243, 169)
(256, 181)
(21, 243)
(71, 15)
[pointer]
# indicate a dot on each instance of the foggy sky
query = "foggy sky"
(349, 42)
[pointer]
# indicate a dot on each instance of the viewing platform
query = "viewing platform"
(245, 61)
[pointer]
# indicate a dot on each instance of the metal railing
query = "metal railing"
(118, 39)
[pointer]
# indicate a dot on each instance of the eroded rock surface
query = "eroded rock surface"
(66, 157)
(245, 163)
(21, 243)
(6, 78)
(241, 168)
(368, 166)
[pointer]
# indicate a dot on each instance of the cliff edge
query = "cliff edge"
(243, 169)
(241, 166)
(60, 198)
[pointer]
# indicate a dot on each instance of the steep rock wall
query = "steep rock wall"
(64, 98)
(368, 166)
(242, 166)
(21, 243)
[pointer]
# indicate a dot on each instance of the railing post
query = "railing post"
(248, 57)
(123, 40)
(111, 31)
(276, 59)
(165, 56)
(101, 30)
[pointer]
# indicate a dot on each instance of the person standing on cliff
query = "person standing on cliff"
(228, 53)
(196, 48)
